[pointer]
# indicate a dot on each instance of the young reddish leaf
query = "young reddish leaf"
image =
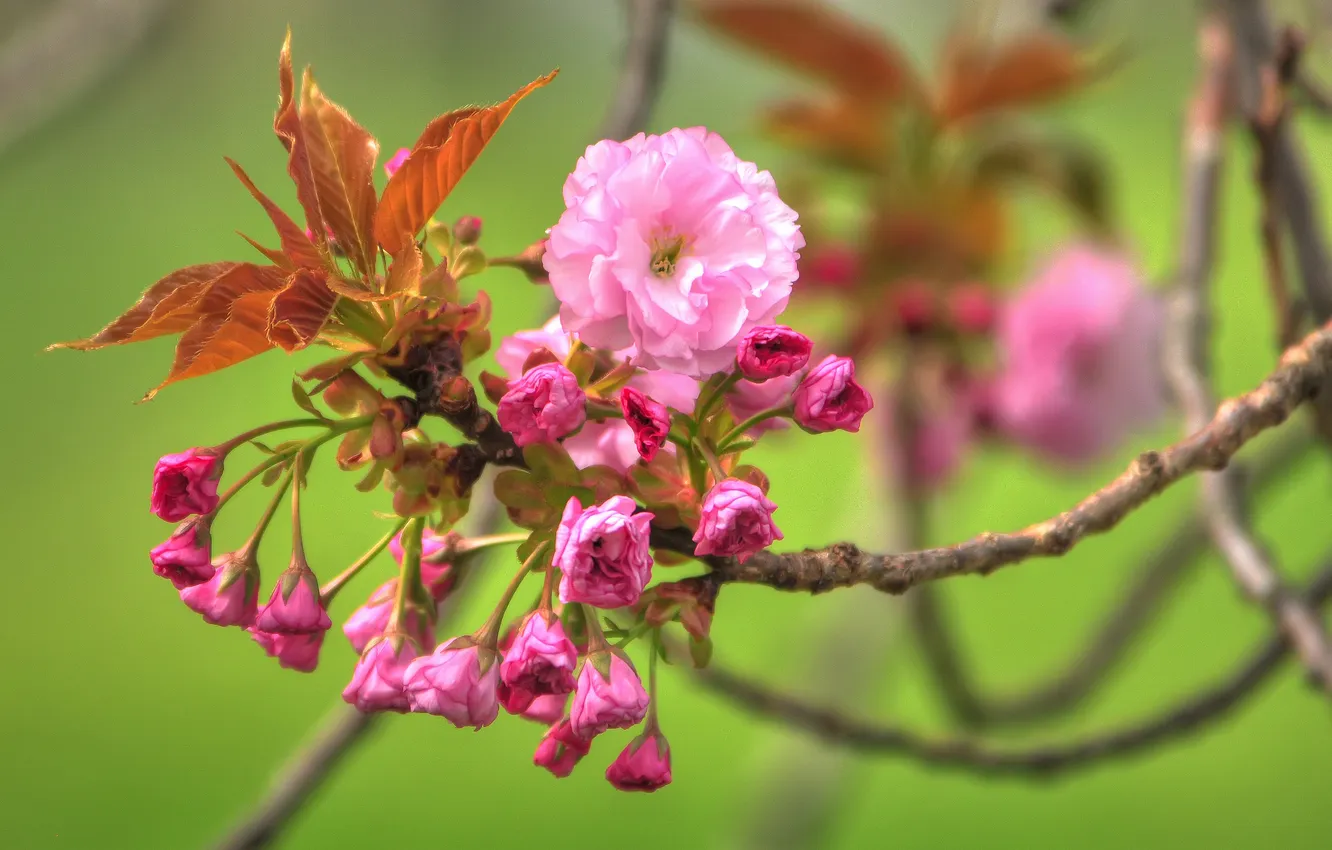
(404, 275)
(840, 130)
(977, 78)
(296, 246)
(356, 291)
(166, 308)
(816, 38)
(301, 309)
(232, 324)
(287, 126)
(330, 369)
(447, 148)
(342, 161)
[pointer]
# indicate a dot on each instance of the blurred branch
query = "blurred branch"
(1302, 372)
(1189, 716)
(643, 69)
(63, 51)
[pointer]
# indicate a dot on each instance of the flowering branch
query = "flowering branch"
(1190, 715)
(1302, 371)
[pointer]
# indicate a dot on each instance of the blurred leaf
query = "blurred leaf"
(840, 130)
(342, 162)
(978, 77)
(551, 462)
(447, 148)
(517, 488)
(1073, 171)
(296, 246)
(301, 310)
(168, 307)
(816, 38)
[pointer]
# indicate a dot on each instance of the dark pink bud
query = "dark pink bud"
(395, 162)
(541, 659)
(186, 483)
(972, 309)
(736, 520)
(457, 682)
(835, 266)
(772, 351)
(829, 399)
(603, 553)
(543, 405)
(231, 596)
(467, 230)
(648, 419)
(561, 749)
(609, 695)
(644, 765)
(514, 700)
(916, 307)
(185, 558)
(377, 682)
(546, 709)
(294, 607)
(293, 652)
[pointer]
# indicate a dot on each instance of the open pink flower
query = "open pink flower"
(185, 558)
(295, 606)
(772, 351)
(737, 520)
(644, 765)
(617, 701)
(602, 552)
(829, 399)
(395, 162)
(648, 419)
(377, 682)
(186, 483)
(560, 750)
(672, 244)
(293, 652)
(541, 659)
(1080, 348)
(231, 596)
(457, 682)
(543, 405)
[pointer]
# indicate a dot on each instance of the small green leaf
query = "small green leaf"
(700, 651)
(551, 462)
(517, 488)
(272, 475)
(303, 400)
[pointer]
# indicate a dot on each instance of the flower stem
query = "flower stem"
(596, 639)
(335, 584)
(714, 391)
(239, 439)
(740, 430)
(718, 474)
(477, 544)
(297, 540)
(488, 635)
(410, 574)
(652, 680)
(260, 469)
(252, 545)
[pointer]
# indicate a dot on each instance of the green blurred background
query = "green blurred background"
(126, 722)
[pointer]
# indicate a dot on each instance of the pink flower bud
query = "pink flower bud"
(972, 309)
(772, 351)
(377, 682)
(185, 558)
(829, 398)
(294, 607)
(644, 765)
(395, 162)
(835, 266)
(561, 749)
(231, 596)
(602, 553)
(371, 619)
(916, 307)
(514, 700)
(293, 652)
(608, 695)
(456, 682)
(542, 659)
(648, 419)
(467, 230)
(737, 520)
(546, 709)
(186, 483)
(543, 405)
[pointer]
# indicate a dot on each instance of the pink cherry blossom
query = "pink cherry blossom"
(546, 709)
(541, 659)
(457, 682)
(185, 558)
(293, 652)
(672, 244)
(371, 619)
(560, 750)
(186, 483)
(1079, 349)
(377, 682)
(602, 553)
(772, 351)
(737, 520)
(600, 703)
(395, 162)
(231, 596)
(294, 606)
(648, 420)
(829, 399)
(643, 765)
(543, 405)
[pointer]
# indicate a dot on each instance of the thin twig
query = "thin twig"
(1302, 372)
(1190, 716)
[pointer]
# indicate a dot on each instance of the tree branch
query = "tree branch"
(1191, 715)
(1302, 371)
(643, 69)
